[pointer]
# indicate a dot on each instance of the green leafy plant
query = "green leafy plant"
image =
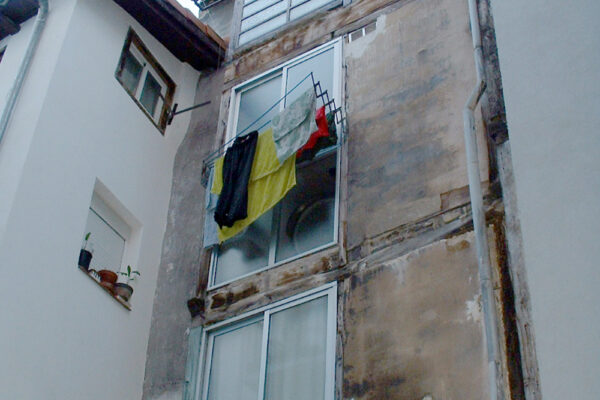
(130, 274)
(85, 240)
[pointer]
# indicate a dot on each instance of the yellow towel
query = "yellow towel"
(269, 183)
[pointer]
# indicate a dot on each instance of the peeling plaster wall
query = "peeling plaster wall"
(179, 273)
(406, 144)
(409, 319)
(413, 326)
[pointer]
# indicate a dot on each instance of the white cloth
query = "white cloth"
(293, 126)
(211, 237)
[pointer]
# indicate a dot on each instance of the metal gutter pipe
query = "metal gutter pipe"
(40, 22)
(479, 225)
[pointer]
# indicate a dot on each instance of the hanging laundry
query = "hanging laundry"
(269, 183)
(322, 131)
(325, 137)
(237, 165)
(211, 236)
(293, 126)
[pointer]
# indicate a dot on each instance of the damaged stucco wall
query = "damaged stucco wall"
(407, 270)
(179, 273)
(406, 145)
(413, 326)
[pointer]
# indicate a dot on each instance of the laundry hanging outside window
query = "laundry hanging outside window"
(259, 169)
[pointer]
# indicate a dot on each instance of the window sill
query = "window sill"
(119, 300)
(146, 113)
(321, 251)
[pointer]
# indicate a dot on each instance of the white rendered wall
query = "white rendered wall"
(549, 54)
(62, 337)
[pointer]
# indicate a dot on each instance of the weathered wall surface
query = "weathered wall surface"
(412, 326)
(409, 317)
(179, 273)
(406, 144)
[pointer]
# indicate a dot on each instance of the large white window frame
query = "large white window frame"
(236, 92)
(209, 333)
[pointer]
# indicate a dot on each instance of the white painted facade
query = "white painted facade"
(550, 65)
(74, 124)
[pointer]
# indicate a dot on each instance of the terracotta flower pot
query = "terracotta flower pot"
(123, 290)
(107, 276)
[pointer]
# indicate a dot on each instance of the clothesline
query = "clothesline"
(319, 93)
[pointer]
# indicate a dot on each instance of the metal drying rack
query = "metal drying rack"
(329, 104)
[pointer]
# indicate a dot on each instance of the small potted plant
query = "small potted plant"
(85, 255)
(108, 279)
(124, 290)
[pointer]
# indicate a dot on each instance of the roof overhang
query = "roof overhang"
(178, 30)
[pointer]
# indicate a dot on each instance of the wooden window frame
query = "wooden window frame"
(156, 70)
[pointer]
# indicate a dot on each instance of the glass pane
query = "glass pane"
(235, 366)
(308, 211)
(262, 29)
(306, 7)
(150, 94)
(296, 352)
(321, 66)
(256, 101)
(106, 243)
(265, 16)
(246, 252)
(263, 7)
(130, 74)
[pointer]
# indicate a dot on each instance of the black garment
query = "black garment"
(237, 165)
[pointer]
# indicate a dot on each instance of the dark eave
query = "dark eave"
(13, 13)
(178, 30)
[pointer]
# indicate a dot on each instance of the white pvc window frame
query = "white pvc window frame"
(337, 94)
(289, 6)
(209, 333)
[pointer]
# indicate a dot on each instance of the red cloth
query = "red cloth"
(322, 131)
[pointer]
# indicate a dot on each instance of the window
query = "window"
(108, 235)
(283, 351)
(110, 241)
(145, 80)
(263, 16)
(306, 220)
(2, 53)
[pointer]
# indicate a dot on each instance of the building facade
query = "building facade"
(363, 282)
(87, 149)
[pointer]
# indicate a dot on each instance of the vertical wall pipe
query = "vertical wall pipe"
(479, 225)
(38, 27)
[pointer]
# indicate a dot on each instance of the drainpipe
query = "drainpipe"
(38, 27)
(479, 225)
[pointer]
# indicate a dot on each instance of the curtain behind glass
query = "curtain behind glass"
(108, 245)
(296, 352)
(235, 365)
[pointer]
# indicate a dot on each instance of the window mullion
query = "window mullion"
(263, 356)
(209, 353)
(288, 11)
(274, 234)
(140, 87)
